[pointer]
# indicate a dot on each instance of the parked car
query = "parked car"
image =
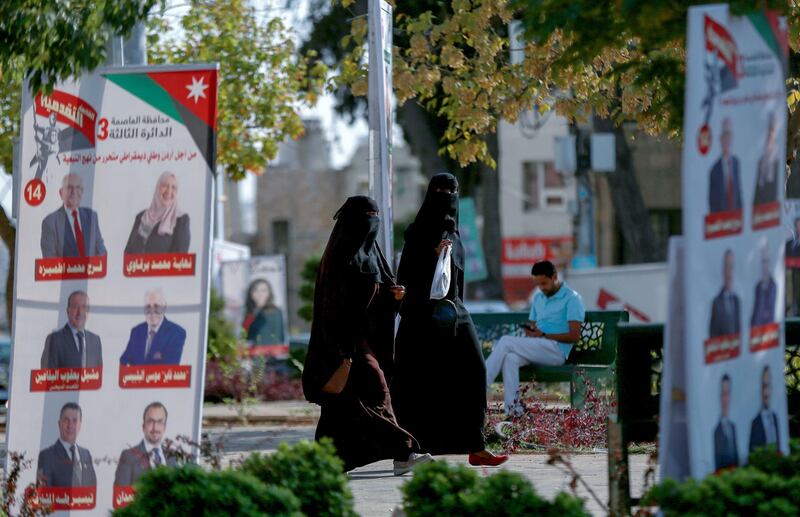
(477, 306)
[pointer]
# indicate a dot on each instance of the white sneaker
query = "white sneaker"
(414, 459)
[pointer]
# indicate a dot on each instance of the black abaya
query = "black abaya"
(439, 386)
(354, 312)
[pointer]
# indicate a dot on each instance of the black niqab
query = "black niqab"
(437, 218)
(353, 240)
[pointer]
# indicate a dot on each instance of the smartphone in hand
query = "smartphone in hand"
(527, 326)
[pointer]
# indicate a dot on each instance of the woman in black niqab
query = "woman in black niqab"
(351, 347)
(439, 387)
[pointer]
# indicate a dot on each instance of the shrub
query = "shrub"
(442, 489)
(310, 470)
(222, 342)
(744, 491)
(227, 381)
(768, 485)
(767, 459)
(309, 277)
(189, 490)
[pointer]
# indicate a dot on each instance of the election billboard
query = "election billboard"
(734, 238)
(254, 292)
(111, 279)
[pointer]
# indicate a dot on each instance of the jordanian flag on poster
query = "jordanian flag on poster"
(112, 278)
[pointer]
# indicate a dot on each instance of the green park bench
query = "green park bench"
(638, 386)
(592, 358)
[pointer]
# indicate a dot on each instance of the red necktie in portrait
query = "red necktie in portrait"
(78, 234)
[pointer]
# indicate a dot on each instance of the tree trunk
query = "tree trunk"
(629, 206)
(422, 141)
(492, 287)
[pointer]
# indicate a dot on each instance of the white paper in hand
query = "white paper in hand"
(441, 275)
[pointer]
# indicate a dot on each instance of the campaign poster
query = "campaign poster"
(112, 279)
(733, 176)
(254, 292)
(474, 263)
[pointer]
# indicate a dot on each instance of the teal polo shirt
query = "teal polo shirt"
(553, 314)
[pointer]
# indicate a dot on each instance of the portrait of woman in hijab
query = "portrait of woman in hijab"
(350, 351)
(162, 227)
(263, 320)
(439, 386)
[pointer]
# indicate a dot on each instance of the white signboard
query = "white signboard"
(381, 117)
(620, 288)
(254, 291)
(733, 177)
(112, 279)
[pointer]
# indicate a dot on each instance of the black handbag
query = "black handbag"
(444, 315)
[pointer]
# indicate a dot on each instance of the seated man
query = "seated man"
(555, 322)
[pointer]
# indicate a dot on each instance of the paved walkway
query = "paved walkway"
(377, 491)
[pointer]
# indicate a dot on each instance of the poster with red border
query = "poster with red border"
(113, 259)
(733, 191)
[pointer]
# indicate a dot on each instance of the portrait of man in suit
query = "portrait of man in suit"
(72, 230)
(148, 454)
(725, 307)
(765, 295)
(768, 167)
(764, 428)
(724, 186)
(73, 346)
(157, 340)
(725, 452)
(65, 463)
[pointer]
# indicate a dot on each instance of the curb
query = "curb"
(288, 420)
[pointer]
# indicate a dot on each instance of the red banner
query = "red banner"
(528, 250)
(793, 262)
(159, 264)
(721, 348)
(155, 376)
(720, 42)
(66, 379)
(70, 110)
(67, 498)
(766, 215)
(721, 224)
(764, 337)
(70, 268)
(123, 496)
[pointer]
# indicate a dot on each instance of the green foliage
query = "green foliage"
(310, 470)
(744, 491)
(627, 57)
(441, 489)
(262, 83)
(769, 485)
(222, 343)
(309, 281)
(624, 60)
(189, 490)
(767, 459)
(50, 40)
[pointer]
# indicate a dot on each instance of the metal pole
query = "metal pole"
(380, 118)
